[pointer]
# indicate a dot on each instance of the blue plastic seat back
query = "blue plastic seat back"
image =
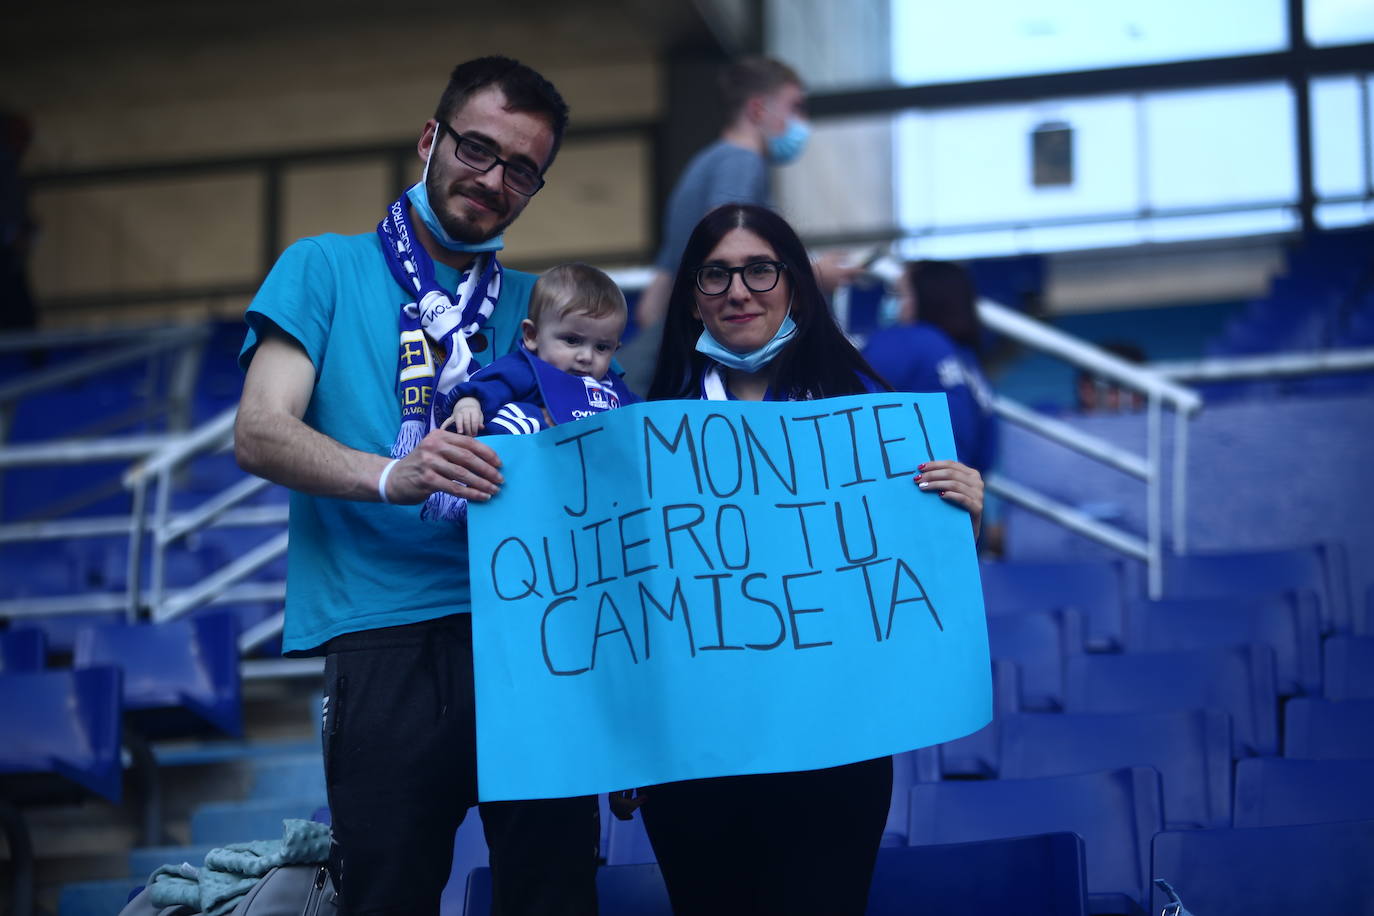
(22, 650)
(1269, 871)
(1364, 620)
(909, 768)
(65, 723)
(1038, 642)
(1040, 875)
(1191, 750)
(1114, 811)
(220, 823)
(1349, 666)
(621, 890)
(628, 843)
(1238, 680)
(190, 664)
(1094, 588)
(59, 630)
(1324, 730)
(976, 754)
(469, 855)
(1287, 622)
(36, 570)
(1317, 568)
(1272, 791)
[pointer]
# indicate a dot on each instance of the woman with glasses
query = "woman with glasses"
(746, 321)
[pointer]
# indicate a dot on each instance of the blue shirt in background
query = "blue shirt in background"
(922, 358)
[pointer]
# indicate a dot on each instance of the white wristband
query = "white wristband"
(381, 481)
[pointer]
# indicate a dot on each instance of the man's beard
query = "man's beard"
(456, 227)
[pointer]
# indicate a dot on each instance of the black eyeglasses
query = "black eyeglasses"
(758, 276)
(519, 178)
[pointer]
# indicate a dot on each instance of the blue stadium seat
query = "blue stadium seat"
(1029, 876)
(628, 843)
(22, 650)
(1038, 642)
(1238, 680)
(976, 754)
(1093, 588)
(95, 898)
(1364, 622)
(1272, 791)
(177, 675)
(1349, 666)
(1114, 811)
(1324, 730)
(59, 630)
(1285, 621)
(1190, 749)
(621, 890)
(64, 724)
(293, 776)
(469, 854)
(1269, 871)
(36, 570)
(1318, 568)
(921, 765)
(219, 823)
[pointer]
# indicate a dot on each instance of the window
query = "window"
(1339, 22)
(949, 42)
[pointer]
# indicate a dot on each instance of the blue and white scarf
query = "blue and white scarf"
(432, 318)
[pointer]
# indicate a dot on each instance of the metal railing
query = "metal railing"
(1159, 392)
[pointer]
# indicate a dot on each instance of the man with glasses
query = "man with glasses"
(348, 340)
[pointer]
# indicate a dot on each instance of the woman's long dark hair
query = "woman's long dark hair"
(819, 362)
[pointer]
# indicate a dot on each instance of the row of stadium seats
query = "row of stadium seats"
(1222, 681)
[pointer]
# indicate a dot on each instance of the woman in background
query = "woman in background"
(934, 347)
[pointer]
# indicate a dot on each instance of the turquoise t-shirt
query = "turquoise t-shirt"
(356, 565)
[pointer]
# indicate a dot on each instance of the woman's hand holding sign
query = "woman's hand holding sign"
(957, 483)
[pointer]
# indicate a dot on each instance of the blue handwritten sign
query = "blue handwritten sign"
(686, 589)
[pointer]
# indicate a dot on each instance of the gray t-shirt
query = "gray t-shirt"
(722, 173)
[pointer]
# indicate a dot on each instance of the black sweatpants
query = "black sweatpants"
(401, 766)
(778, 843)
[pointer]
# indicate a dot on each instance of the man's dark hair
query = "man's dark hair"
(524, 88)
(747, 77)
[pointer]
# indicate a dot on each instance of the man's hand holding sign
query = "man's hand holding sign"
(688, 589)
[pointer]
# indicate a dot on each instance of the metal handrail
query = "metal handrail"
(57, 376)
(1086, 356)
(20, 341)
(83, 451)
(215, 433)
(1057, 431)
(1275, 365)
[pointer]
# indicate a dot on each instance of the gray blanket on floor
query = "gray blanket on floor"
(231, 871)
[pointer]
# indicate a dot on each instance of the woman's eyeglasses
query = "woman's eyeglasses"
(758, 277)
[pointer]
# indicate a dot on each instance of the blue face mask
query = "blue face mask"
(754, 360)
(890, 310)
(788, 145)
(419, 199)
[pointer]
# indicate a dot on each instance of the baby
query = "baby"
(563, 371)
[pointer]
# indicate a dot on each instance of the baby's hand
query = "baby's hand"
(467, 417)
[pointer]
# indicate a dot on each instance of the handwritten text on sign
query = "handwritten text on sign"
(688, 589)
